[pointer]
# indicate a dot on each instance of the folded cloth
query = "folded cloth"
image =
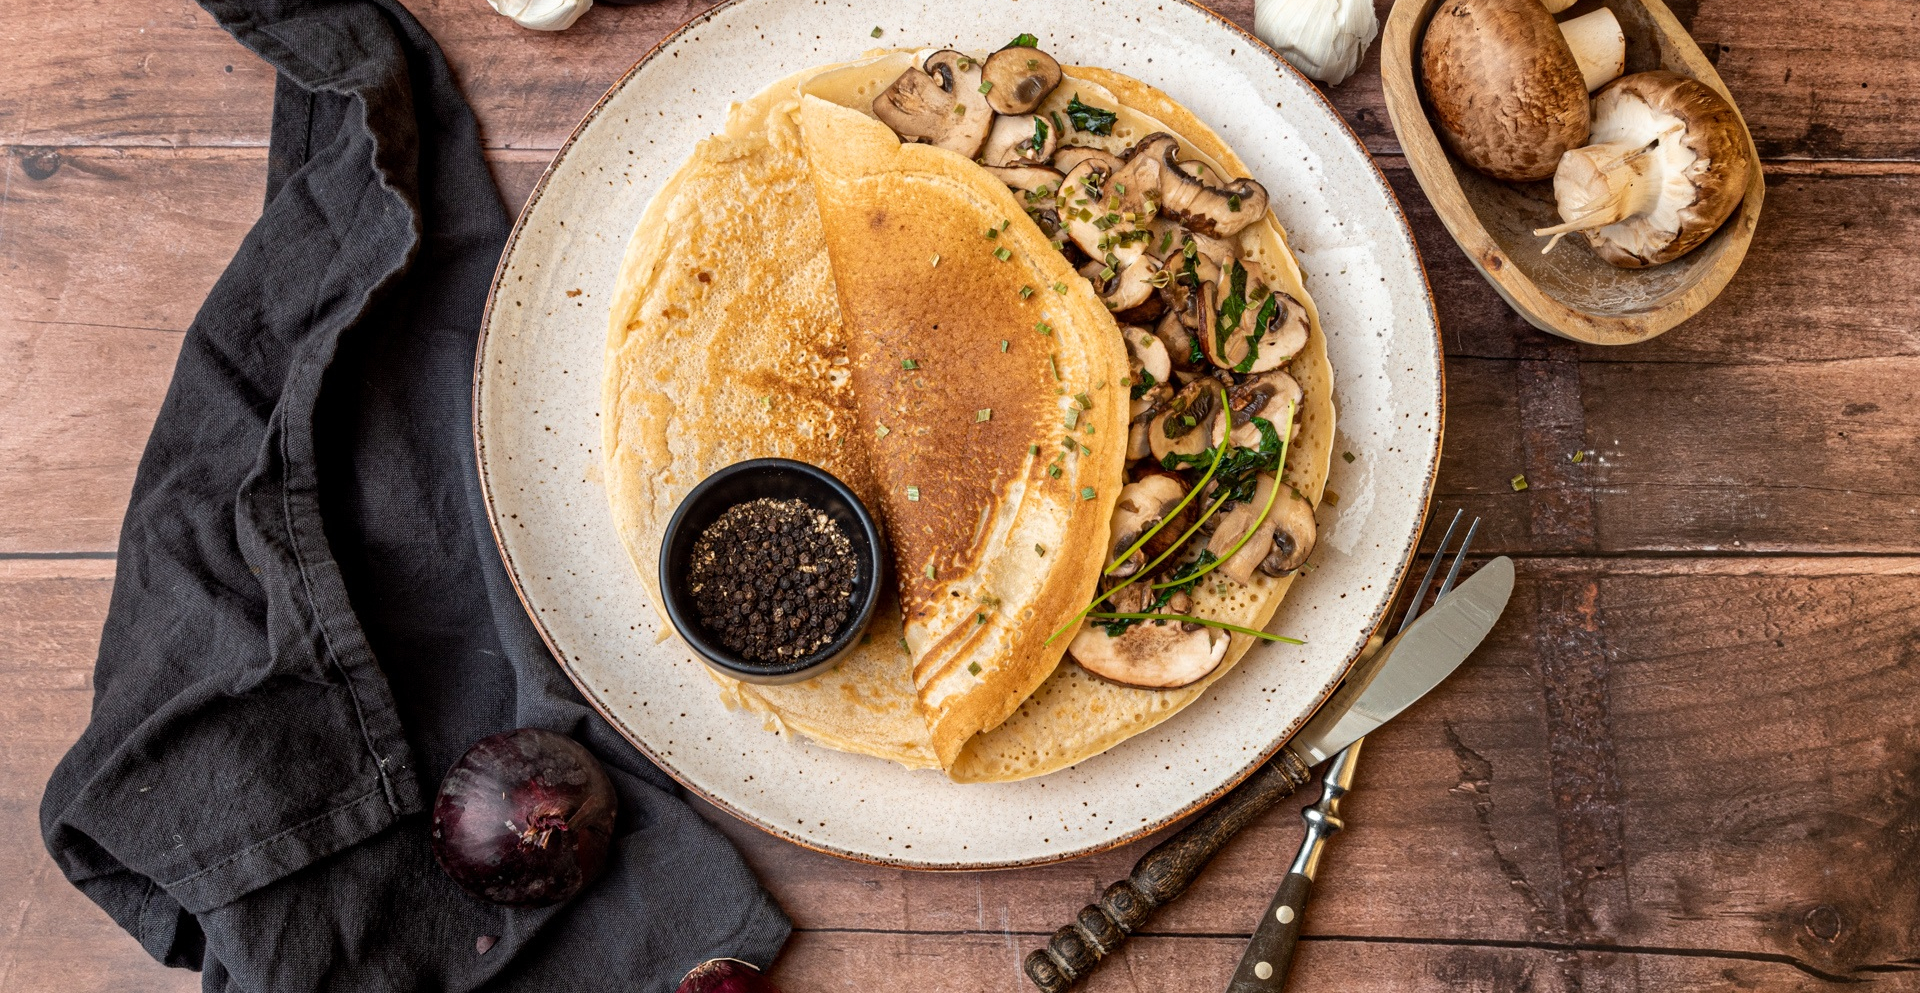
(310, 621)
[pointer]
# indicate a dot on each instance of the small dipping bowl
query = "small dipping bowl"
(777, 479)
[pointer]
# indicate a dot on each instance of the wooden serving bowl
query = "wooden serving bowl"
(1569, 292)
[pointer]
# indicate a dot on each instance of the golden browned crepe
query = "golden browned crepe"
(731, 339)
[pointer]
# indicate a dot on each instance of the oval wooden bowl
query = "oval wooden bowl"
(1569, 292)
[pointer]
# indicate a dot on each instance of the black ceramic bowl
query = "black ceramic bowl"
(779, 479)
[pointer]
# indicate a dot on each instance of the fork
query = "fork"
(1263, 969)
(1165, 872)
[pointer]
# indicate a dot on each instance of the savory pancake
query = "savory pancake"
(738, 331)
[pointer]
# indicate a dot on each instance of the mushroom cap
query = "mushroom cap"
(1152, 654)
(1717, 175)
(1506, 91)
(1021, 78)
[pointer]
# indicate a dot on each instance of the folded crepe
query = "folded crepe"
(945, 394)
(768, 300)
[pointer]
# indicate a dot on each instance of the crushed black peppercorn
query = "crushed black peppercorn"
(772, 580)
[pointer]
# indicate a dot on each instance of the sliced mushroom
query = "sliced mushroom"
(1138, 447)
(1132, 286)
(1067, 158)
(1079, 197)
(1150, 353)
(1021, 140)
(1183, 349)
(1021, 78)
(1145, 406)
(1266, 396)
(917, 106)
(1132, 599)
(1270, 329)
(1150, 654)
(1238, 520)
(1041, 181)
(1294, 532)
(1184, 426)
(971, 117)
(1218, 211)
(1141, 505)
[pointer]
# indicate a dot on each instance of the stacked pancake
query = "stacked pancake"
(810, 286)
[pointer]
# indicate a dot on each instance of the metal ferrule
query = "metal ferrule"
(1323, 817)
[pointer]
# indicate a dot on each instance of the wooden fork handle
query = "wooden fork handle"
(1161, 875)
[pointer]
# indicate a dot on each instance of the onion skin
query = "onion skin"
(524, 819)
(725, 976)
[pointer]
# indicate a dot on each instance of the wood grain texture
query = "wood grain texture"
(1685, 761)
(1836, 81)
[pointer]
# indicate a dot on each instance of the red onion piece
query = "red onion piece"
(524, 819)
(725, 976)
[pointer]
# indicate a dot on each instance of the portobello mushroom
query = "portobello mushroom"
(1151, 654)
(1020, 78)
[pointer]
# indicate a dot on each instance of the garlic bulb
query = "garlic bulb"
(542, 15)
(1323, 38)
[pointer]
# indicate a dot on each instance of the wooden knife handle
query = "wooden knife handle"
(1159, 876)
(1270, 954)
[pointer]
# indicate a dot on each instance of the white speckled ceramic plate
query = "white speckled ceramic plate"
(536, 422)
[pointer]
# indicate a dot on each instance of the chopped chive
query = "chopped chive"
(935, 260)
(882, 431)
(909, 364)
(928, 571)
(1033, 449)
(1518, 482)
(1053, 366)
(986, 86)
(1085, 402)
(1086, 492)
(875, 33)
(913, 493)
(1332, 499)
(992, 233)
(1040, 550)
(1002, 254)
(1186, 419)
(1347, 455)
(974, 667)
(1043, 327)
(1084, 450)
(983, 414)
(1004, 343)
(1005, 224)
(1060, 288)
(1033, 63)
(1577, 457)
(1073, 417)
(1233, 202)
(1025, 292)
(1054, 471)
(1188, 619)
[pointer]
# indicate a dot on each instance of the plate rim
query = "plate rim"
(1234, 778)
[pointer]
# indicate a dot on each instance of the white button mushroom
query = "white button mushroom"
(1508, 85)
(542, 15)
(1668, 165)
(1152, 654)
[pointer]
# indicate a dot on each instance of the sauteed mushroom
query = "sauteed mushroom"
(1149, 354)
(1237, 520)
(1022, 140)
(1294, 532)
(940, 104)
(1141, 505)
(1265, 395)
(1184, 426)
(1021, 78)
(1067, 158)
(1151, 654)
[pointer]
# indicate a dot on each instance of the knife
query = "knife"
(1375, 691)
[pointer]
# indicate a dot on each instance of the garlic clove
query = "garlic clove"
(1323, 38)
(542, 15)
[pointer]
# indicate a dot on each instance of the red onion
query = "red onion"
(524, 819)
(725, 976)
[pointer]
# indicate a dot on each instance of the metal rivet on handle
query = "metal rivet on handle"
(1262, 970)
(1284, 915)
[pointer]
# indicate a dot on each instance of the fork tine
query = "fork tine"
(1459, 559)
(1426, 582)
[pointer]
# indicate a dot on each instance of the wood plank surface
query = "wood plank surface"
(1838, 80)
(1685, 761)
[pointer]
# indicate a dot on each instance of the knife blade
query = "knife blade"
(1404, 669)
(1375, 691)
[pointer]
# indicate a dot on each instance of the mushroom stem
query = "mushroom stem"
(1598, 45)
(1614, 181)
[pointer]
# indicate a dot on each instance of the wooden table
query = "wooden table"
(1686, 760)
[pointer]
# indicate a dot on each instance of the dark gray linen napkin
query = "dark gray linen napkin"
(310, 621)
